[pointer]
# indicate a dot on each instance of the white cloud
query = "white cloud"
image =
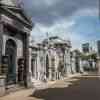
(87, 12)
(60, 28)
(50, 2)
(63, 28)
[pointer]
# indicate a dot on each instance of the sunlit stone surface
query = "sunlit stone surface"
(9, 2)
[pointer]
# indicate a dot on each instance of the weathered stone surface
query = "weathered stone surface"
(9, 2)
(2, 85)
(2, 91)
(14, 42)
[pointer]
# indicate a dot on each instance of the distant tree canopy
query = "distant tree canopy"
(92, 56)
(83, 56)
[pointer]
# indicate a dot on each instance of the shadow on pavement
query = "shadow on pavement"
(85, 89)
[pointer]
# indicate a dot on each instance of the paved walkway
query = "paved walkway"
(79, 88)
(83, 88)
(20, 95)
(26, 94)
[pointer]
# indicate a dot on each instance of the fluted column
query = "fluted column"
(2, 77)
(1, 42)
(50, 68)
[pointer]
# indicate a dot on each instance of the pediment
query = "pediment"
(22, 15)
(18, 14)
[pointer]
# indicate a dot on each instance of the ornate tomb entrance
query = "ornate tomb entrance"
(15, 27)
(11, 53)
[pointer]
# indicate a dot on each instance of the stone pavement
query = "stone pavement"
(80, 88)
(50, 83)
(26, 94)
(19, 95)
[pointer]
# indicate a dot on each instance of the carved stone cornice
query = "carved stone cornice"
(14, 24)
(16, 16)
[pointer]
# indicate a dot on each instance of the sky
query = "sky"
(76, 20)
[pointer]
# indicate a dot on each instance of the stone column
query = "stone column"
(50, 73)
(1, 42)
(50, 68)
(66, 61)
(2, 85)
(81, 66)
(27, 74)
(2, 77)
(68, 64)
(30, 61)
(73, 65)
(35, 69)
(45, 65)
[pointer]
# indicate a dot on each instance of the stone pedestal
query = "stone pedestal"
(56, 76)
(69, 70)
(2, 85)
(81, 67)
(29, 81)
(50, 74)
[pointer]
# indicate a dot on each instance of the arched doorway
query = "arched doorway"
(11, 52)
(47, 66)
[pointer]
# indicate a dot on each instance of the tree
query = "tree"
(92, 56)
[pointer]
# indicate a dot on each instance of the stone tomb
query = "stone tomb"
(15, 29)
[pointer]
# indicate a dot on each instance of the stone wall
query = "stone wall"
(2, 86)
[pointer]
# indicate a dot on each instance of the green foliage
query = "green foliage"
(84, 57)
(92, 56)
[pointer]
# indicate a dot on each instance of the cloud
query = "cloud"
(46, 12)
(61, 29)
(66, 27)
(58, 17)
(87, 12)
